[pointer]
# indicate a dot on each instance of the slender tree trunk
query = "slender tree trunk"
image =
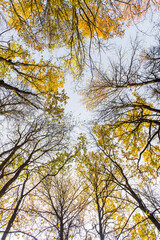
(61, 229)
(101, 234)
(19, 170)
(142, 206)
(129, 189)
(10, 223)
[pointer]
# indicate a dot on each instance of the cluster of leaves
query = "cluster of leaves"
(26, 82)
(67, 24)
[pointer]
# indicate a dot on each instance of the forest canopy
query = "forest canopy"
(103, 184)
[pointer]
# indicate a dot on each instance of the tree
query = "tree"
(58, 203)
(31, 106)
(32, 145)
(104, 195)
(140, 205)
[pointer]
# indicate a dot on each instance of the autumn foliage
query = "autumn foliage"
(53, 185)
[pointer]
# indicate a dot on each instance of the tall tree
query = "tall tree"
(29, 94)
(32, 144)
(58, 203)
(141, 207)
(104, 195)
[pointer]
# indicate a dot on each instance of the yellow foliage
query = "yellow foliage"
(143, 230)
(42, 77)
(101, 21)
(55, 23)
